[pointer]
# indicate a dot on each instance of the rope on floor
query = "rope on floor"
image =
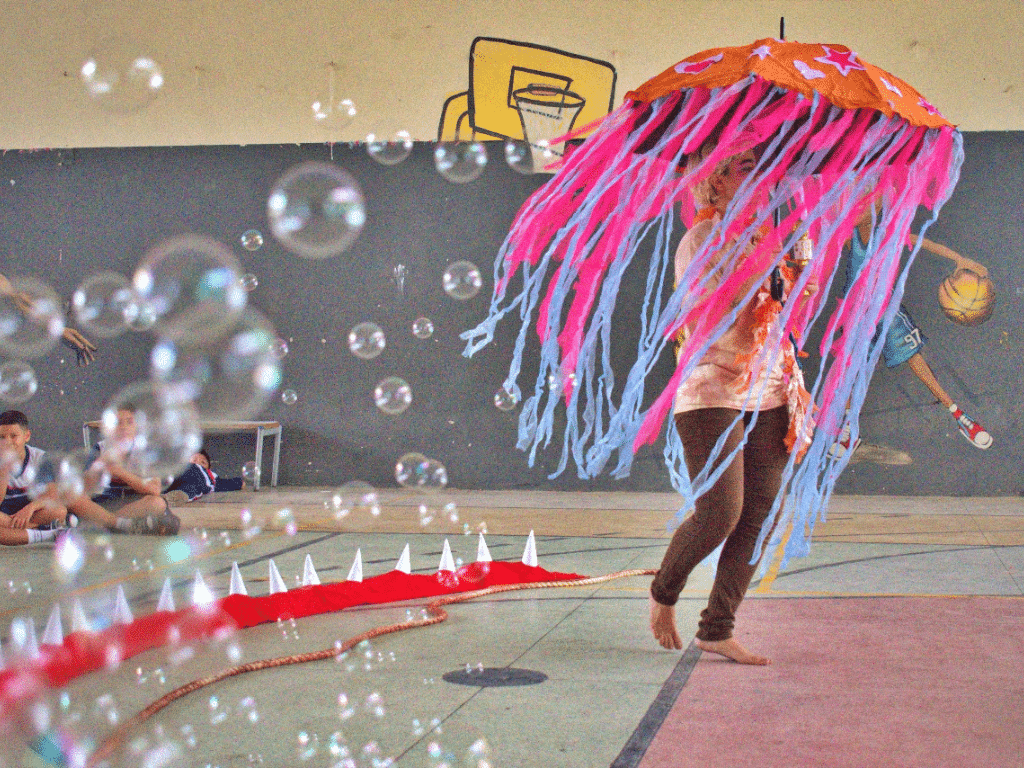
(435, 615)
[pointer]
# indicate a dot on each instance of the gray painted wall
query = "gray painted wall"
(70, 213)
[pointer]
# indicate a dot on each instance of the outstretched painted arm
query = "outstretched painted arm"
(85, 350)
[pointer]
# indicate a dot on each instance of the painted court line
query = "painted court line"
(632, 753)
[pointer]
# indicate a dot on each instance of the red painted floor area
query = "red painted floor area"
(904, 682)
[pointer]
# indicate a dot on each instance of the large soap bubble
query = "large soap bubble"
(119, 77)
(252, 239)
(422, 327)
(104, 303)
(414, 470)
(231, 377)
(17, 382)
(389, 151)
(460, 161)
(31, 319)
(393, 395)
(462, 280)
(366, 340)
(193, 285)
(333, 115)
(316, 210)
(149, 433)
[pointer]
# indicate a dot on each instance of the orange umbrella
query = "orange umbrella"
(832, 70)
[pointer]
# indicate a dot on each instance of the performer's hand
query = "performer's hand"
(84, 349)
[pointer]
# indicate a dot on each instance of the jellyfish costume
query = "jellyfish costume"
(837, 139)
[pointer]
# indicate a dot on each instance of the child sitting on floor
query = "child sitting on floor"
(32, 511)
(198, 479)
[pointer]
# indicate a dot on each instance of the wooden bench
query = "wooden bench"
(263, 430)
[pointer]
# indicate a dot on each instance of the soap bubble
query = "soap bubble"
(414, 470)
(460, 161)
(289, 397)
(252, 239)
(390, 152)
(17, 382)
(422, 328)
(392, 395)
(68, 555)
(250, 473)
(462, 280)
(103, 303)
(285, 519)
(31, 318)
(192, 284)
(249, 282)
(505, 399)
(280, 349)
(366, 341)
(316, 210)
(231, 377)
(73, 476)
(120, 78)
(478, 755)
(307, 744)
(519, 157)
(159, 438)
(332, 115)
(140, 315)
(353, 496)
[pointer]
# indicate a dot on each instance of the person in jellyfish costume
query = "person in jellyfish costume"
(830, 139)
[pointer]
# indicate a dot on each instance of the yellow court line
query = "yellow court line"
(133, 576)
(773, 570)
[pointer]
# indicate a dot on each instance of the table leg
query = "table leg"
(259, 458)
(277, 457)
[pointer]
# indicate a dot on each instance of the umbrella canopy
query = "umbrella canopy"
(834, 71)
(835, 140)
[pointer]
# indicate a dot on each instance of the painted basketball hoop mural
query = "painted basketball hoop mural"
(546, 113)
(528, 96)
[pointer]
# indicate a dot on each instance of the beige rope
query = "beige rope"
(436, 614)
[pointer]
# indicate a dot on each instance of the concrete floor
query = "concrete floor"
(389, 699)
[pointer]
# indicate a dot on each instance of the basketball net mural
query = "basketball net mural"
(527, 94)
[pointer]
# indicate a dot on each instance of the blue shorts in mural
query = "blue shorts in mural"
(903, 341)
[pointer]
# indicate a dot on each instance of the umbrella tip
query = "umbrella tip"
(782, 27)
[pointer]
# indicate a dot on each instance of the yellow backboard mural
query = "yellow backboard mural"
(526, 92)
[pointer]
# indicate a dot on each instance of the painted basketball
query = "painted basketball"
(967, 298)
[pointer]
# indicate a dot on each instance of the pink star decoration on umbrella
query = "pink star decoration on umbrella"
(844, 62)
(695, 67)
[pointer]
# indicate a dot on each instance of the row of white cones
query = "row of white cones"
(23, 631)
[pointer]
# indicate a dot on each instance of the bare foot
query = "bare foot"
(731, 650)
(663, 625)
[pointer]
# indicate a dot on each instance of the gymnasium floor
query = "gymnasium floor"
(897, 642)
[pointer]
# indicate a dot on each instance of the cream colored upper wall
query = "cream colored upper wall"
(246, 71)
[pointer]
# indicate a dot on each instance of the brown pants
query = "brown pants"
(732, 511)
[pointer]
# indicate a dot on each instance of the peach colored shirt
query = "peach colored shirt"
(714, 383)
